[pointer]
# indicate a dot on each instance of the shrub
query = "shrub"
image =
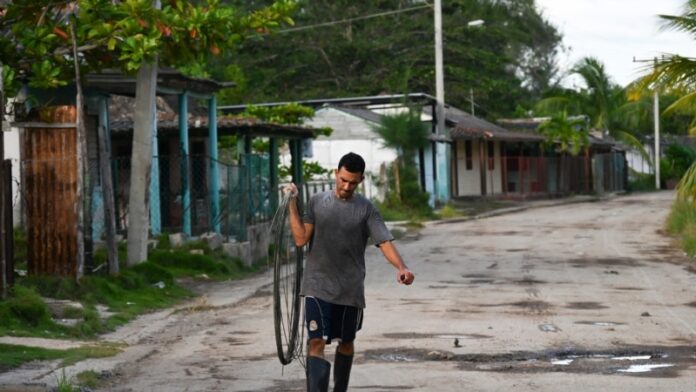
(26, 305)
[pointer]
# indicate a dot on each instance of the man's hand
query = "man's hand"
(291, 188)
(405, 276)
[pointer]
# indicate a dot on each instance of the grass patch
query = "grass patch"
(139, 289)
(145, 287)
(640, 182)
(681, 222)
(448, 211)
(12, 356)
(89, 379)
(391, 212)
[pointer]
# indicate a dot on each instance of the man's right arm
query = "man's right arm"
(301, 231)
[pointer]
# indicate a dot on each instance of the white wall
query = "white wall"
(350, 134)
(494, 185)
(468, 181)
(637, 162)
(12, 152)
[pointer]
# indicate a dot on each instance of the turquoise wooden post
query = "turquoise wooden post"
(214, 171)
(273, 172)
(155, 210)
(184, 144)
(296, 155)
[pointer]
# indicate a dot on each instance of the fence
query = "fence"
(243, 189)
(559, 175)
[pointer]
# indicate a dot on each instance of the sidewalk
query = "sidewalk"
(523, 205)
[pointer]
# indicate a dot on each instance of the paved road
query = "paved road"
(581, 297)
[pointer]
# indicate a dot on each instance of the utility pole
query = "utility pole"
(441, 177)
(656, 114)
(439, 70)
(656, 121)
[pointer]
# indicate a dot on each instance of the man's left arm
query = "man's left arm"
(404, 275)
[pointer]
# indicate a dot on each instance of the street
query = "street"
(577, 297)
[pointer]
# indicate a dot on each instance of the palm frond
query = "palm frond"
(553, 105)
(686, 188)
(635, 143)
(684, 104)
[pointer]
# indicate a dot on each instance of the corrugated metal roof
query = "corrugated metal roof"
(465, 126)
(365, 114)
(226, 125)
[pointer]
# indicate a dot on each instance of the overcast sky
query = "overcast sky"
(616, 31)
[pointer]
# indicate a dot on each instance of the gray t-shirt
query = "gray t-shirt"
(335, 270)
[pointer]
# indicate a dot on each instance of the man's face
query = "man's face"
(346, 182)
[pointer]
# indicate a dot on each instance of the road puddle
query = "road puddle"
(652, 362)
(599, 323)
(644, 368)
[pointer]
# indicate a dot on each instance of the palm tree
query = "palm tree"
(673, 74)
(604, 102)
(569, 134)
(406, 133)
(600, 99)
(676, 74)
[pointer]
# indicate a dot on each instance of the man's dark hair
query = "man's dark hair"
(353, 162)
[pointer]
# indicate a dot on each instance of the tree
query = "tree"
(599, 98)
(349, 48)
(675, 75)
(406, 133)
(35, 40)
(569, 134)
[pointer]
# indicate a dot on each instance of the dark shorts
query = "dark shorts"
(330, 321)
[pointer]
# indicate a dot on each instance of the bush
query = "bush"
(682, 223)
(26, 306)
(677, 160)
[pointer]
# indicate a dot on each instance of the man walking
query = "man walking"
(337, 225)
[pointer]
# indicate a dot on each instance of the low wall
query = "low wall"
(255, 248)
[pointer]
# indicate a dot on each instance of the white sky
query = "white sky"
(616, 31)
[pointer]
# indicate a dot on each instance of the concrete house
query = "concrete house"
(352, 131)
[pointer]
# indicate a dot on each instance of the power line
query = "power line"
(335, 22)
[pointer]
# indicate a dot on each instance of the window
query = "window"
(467, 155)
(491, 155)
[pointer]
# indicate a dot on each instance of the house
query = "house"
(353, 130)
(602, 168)
(210, 196)
(352, 119)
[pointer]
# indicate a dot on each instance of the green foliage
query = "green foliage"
(125, 34)
(403, 131)
(406, 133)
(64, 384)
(12, 356)
(681, 222)
(677, 160)
(686, 188)
(448, 211)
(89, 379)
(600, 99)
(568, 135)
(640, 182)
(24, 306)
(507, 62)
(20, 247)
(182, 264)
(311, 170)
(291, 114)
